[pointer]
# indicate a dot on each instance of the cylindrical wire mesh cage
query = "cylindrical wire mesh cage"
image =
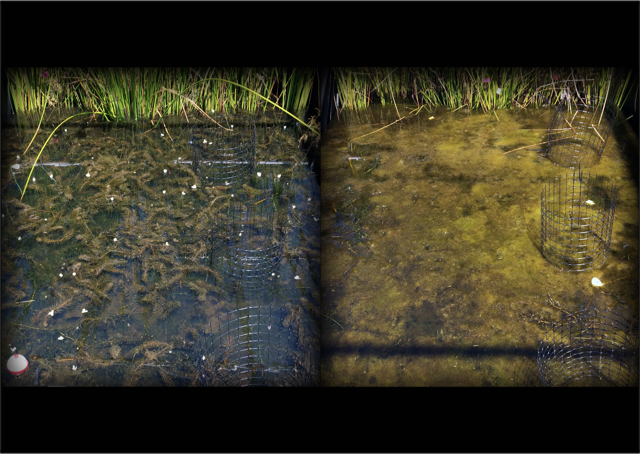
(254, 346)
(577, 214)
(579, 130)
(224, 155)
(590, 348)
(247, 238)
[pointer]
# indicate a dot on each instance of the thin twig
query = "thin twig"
(594, 128)
(605, 99)
(539, 143)
(333, 321)
(570, 126)
(379, 129)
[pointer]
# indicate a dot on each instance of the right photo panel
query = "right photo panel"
(479, 227)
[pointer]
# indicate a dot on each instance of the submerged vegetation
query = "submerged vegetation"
(112, 248)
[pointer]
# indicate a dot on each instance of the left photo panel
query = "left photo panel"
(160, 227)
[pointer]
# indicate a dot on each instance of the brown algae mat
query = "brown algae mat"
(432, 272)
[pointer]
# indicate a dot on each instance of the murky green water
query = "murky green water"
(432, 272)
(119, 248)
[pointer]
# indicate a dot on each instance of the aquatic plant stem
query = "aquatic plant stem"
(539, 143)
(45, 144)
(39, 123)
(373, 132)
(315, 131)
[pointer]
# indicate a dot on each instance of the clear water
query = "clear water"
(128, 222)
(432, 273)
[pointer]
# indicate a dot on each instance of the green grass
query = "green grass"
(133, 94)
(458, 87)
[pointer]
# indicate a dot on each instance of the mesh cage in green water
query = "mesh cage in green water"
(579, 130)
(590, 348)
(254, 346)
(577, 214)
(224, 155)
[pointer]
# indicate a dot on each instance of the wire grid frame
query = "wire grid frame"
(590, 348)
(577, 214)
(254, 346)
(224, 155)
(579, 130)
(247, 236)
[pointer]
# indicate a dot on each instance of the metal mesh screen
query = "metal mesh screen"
(579, 131)
(589, 348)
(254, 346)
(577, 214)
(247, 238)
(223, 155)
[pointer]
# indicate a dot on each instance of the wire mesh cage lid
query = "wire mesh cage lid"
(579, 129)
(590, 348)
(254, 346)
(224, 153)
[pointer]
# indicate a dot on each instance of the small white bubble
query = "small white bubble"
(74, 273)
(259, 174)
(166, 244)
(60, 275)
(309, 199)
(193, 187)
(279, 175)
(112, 199)
(240, 234)
(115, 239)
(182, 192)
(51, 176)
(293, 206)
(34, 179)
(88, 175)
(285, 126)
(165, 170)
(161, 135)
(164, 192)
(65, 130)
